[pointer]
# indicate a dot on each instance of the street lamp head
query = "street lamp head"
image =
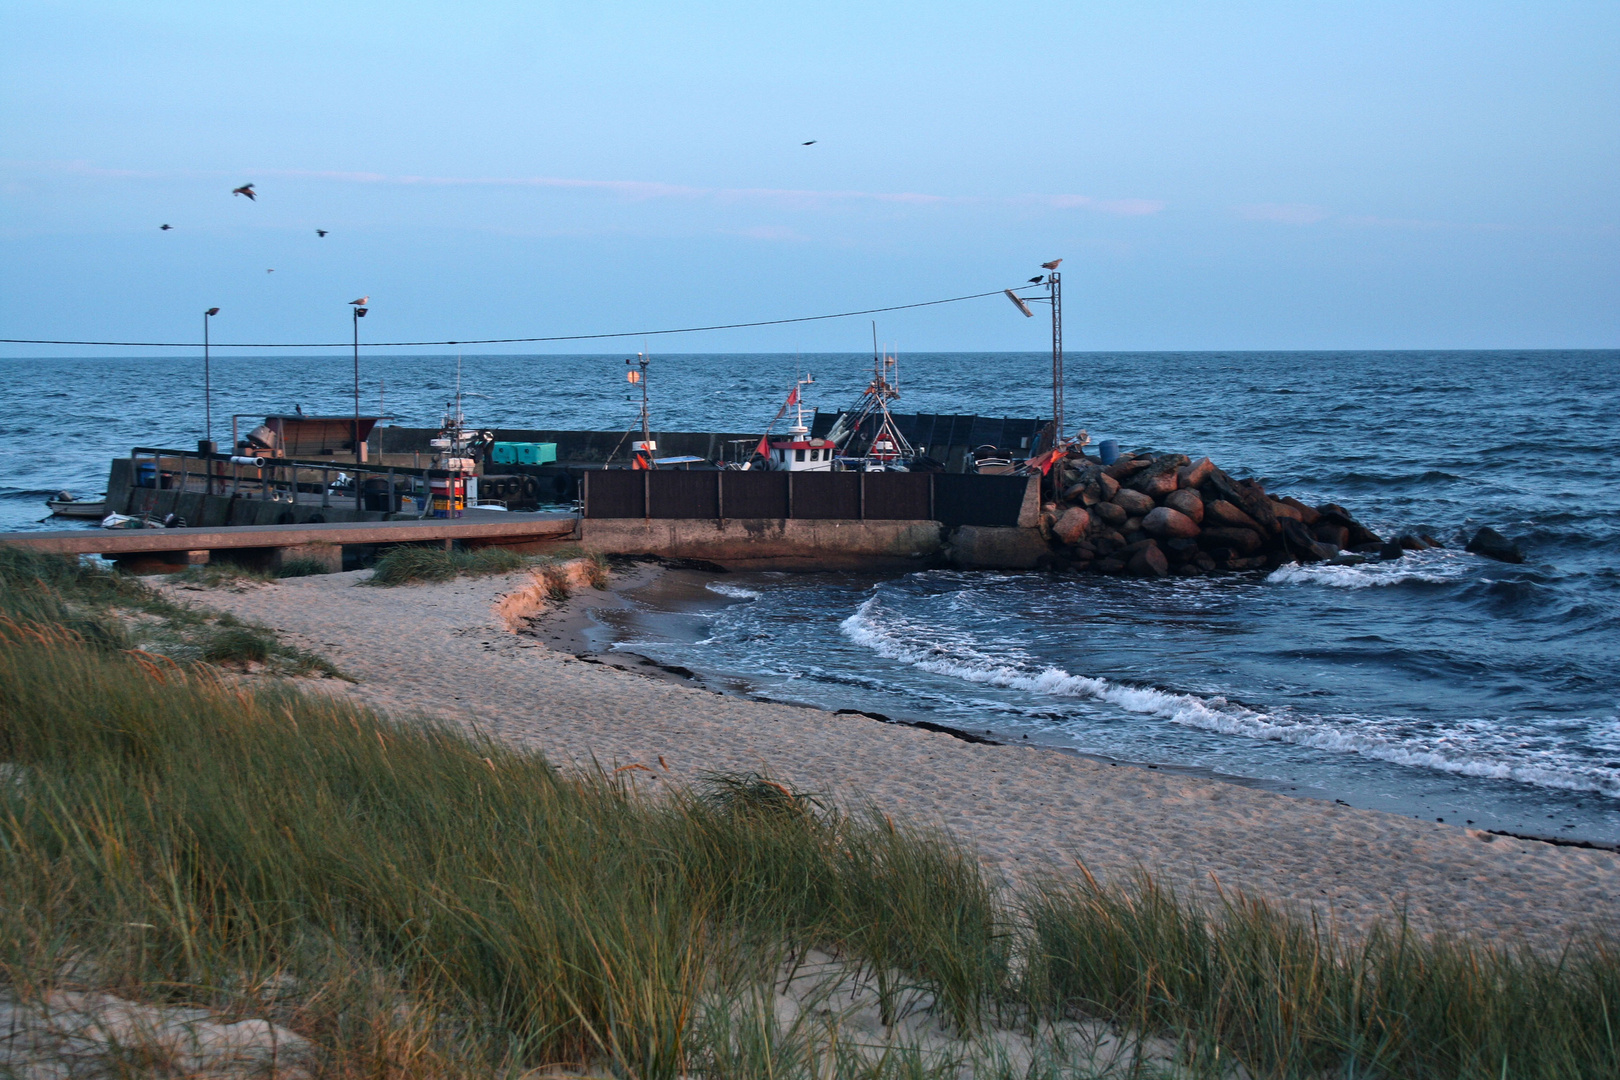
(1018, 302)
(212, 311)
(359, 312)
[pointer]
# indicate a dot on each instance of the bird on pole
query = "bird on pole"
(1037, 279)
(362, 302)
(1053, 265)
(245, 189)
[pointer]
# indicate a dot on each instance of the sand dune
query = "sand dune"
(448, 649)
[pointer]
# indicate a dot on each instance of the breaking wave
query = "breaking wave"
(736, 592)
(900, 640)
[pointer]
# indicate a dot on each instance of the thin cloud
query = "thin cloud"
(645, 190)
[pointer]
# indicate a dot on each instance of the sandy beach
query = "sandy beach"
(491, 654)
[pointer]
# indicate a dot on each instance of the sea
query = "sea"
(1441, 685)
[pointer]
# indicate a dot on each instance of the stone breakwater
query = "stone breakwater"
(1153, 515)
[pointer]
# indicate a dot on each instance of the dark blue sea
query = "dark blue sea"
(1441, 685)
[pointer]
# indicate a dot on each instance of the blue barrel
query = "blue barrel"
(1108, 450)
(146, 474)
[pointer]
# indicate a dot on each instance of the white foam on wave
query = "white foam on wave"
(736, 592)
(1433, 567)
(907, 644)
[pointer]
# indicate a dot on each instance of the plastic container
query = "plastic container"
(449, 495)
(146, 475)
(503, 453)
(1108, 450)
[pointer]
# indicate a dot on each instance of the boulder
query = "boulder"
(1159, 478)
(1187, 501)
(1331, 533)
(1112, 513)
(1221, 513)
(1134, 502)
(1127, 466)
(1283, 510)
(1107, 542)
(1180, 550)
(1110, 486)
(1132, 528)
(1190, 476)
(1301, 543)
(1356, 533)
(1411, 543)
(1084, 551)
(1248, 496)
(1167, 524)
(1108, 566)
(1148, 562)
(1203, 561)
(1391, 550)
(1308, 514)
(1256, 562)
(1493, 545)
(1243, 541)
(1072, 526)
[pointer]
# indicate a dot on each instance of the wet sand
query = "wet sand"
(493, 654)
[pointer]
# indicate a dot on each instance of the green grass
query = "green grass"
(407, 565)
(424, 903)
(119, 612)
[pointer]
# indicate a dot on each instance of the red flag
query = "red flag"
(793, 398)
(763, 449)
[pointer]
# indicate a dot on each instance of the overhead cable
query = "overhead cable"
(498, 341)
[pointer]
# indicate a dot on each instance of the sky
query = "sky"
(1214, 175)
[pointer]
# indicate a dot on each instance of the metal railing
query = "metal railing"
(275, 479)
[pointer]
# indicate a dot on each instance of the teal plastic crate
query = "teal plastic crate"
(536, 453)
(504, 453)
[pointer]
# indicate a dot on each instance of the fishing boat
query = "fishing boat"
(798, 452)
(65, 505)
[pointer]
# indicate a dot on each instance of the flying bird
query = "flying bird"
(1037, 279)
(320, 232)
(812, 142)
(245, 189)
(271, 270)
(362, 302)
(165, 227)
(1053, 265)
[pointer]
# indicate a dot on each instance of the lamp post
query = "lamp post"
(208, 405)
(359, 307)
(1054, 296)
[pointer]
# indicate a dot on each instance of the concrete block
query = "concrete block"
(979, 547)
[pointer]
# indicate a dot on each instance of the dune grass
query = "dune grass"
(421, 902)
(411, 565)
(117, 611)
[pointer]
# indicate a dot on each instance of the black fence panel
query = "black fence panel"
(828, 495)
(897, 496)
(615, 493)
(753, 494)
(972, 499)
(684, 494)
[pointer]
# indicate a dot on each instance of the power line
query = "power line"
(502, 341)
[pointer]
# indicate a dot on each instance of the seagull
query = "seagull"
(165, 228)
(320, 232)
(271, 270)
(1037, 279)
(245, 189)
(362, 302)
(812, 142)
(1053, 265)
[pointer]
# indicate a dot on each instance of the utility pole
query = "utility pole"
(359, 308)
(1054, 283)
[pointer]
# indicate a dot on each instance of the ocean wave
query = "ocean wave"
(1440, 566)
(736, 592)
(902, 642)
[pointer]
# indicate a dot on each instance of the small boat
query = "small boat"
(65, 505)
(125, 521)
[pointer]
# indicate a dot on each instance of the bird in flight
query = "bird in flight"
(245, 189)
(271, 270)
(1053, 265)
(1037, 279)
(320, 232)
(165, 227)
(361, 302)
(812, 142)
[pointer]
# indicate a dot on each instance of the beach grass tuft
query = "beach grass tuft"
(417, 565)
(421, 902)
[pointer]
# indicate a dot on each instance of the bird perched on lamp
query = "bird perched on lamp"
(1037, 279)
(1053, 265)
(245, 189)
(362, 302)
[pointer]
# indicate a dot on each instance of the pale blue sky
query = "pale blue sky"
(1232, 175)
